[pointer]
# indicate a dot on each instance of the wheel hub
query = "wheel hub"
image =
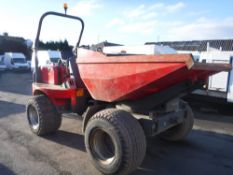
(33, 117)
(102, 146)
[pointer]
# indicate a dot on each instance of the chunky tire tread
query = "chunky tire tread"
(131, 136)
(49, 118)
(180, 131)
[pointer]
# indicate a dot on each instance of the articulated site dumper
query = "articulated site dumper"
(123, 99)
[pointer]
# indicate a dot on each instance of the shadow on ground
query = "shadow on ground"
(210, 104)
(5, 170)
(202, 153)
(72, 140)
(9, 108)
(215, 117)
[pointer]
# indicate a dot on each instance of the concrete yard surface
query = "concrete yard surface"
(207, 150)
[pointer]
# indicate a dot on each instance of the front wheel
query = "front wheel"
(42, 115)
(115, 142)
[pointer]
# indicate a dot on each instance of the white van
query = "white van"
(2, 65)
(220, 85)
(46, 58)
(15, 61)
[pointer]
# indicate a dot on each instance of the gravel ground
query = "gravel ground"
(207, 150)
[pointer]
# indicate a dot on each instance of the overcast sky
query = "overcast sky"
(126, 22)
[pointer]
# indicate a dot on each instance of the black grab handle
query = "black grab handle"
(38, 36)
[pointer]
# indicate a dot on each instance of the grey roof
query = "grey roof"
(106, 43)
(100, 46)
(198, 45)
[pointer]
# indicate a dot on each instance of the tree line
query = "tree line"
(17, 44)
(7, 45)
(55, 45)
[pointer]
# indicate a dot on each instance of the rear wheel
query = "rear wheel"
(180, 131)
(42, 115)
(115, 142)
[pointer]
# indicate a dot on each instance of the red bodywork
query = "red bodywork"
(115, 78)
(53, 74)
(52, 79)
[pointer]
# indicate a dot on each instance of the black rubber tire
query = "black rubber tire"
(126, 139)
(49, 120)
(180, 131)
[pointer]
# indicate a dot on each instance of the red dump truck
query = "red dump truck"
(123, 99)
